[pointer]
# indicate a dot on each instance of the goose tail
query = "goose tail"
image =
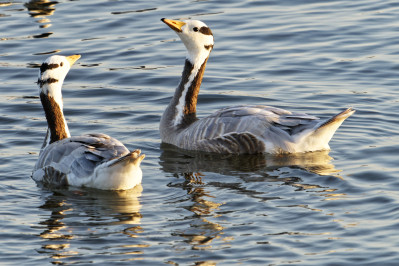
(133, 157)
(334, 122)
(120, 173)
(321, 135)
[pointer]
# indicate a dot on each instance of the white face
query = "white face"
(53, 72)
(198, 39)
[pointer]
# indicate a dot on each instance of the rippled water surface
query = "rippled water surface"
(324, 208)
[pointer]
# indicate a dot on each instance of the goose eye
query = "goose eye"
(195, 29)
(62, 63)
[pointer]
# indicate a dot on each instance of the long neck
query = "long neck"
(182, 109)
(57, 126)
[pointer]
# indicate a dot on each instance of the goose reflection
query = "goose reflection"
(206, 227)
(86, 214)
(177, 161)
(192, 167)
(202, 230)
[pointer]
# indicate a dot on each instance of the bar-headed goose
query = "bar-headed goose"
(93, 160)
(245, 129)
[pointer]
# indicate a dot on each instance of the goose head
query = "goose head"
(52, 74)
(196, 36)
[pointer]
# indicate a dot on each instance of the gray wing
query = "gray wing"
(240, 129)
(77, 156)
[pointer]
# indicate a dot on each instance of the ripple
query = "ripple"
(133, 11)
(310, 56)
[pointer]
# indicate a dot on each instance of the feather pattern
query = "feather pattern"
(74, 161)
(244, 129)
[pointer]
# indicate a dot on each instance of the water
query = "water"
(325, 208)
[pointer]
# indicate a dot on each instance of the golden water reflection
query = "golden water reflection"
(193, 167)
(202, 230)
(41, 9)
(175, 160)
(75, 213)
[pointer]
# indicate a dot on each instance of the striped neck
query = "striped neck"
(184, 102)
(57, 126)
(51, 77)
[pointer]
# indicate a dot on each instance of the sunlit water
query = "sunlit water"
(326, 208)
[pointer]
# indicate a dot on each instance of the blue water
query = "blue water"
(325, 208)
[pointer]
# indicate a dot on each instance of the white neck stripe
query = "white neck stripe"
(182, 99)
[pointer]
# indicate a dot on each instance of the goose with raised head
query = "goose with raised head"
(93, 160)
(246, 129)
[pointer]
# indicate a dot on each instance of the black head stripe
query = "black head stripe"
(205, 30)
(46, 66)
(41, 82)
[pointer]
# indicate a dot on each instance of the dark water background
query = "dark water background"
(326, 208)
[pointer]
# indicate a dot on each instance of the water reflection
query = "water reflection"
(87, 214)
(201, 231)
(191, 166)
(204, 230)
(175, 160)
(41, 9)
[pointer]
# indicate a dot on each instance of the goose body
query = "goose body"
(245, 129)
(92, 160)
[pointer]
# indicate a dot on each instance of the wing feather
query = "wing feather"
(232, 143)
(255, 119)
(245, 129)
(78, 156)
